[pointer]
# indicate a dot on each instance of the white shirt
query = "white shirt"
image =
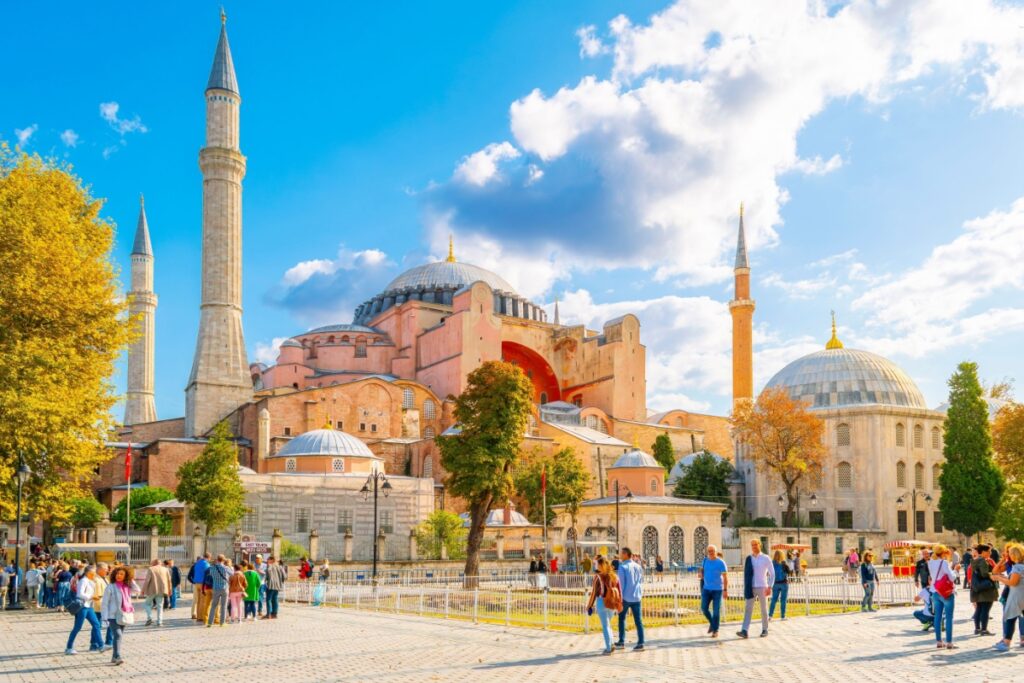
(86, 589)
(937, 568)
(764, 572)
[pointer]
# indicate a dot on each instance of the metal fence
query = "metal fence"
(138, 543)
(518, 600)
(177, 548)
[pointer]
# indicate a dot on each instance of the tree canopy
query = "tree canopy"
(492, 413)
(706, 478)
(567, 482)
(781, 437)
(972, 486)
(85, 512)
(663, 452)
(63, 325)
(140, 498)
(441, 529)
(1008, 441)
(210, 484)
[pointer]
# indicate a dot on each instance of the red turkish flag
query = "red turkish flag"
(128, 466)
(543, 479)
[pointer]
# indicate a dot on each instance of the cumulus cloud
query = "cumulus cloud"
(267, 353)
(481, 167)
(25, 134)
(69, 138)
(590, 44)
(644, 166)
(323, 291)
(109, 111)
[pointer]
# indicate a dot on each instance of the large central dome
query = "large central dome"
(447, 274)
(839, 377)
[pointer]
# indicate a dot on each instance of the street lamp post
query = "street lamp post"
(782, 504)
(629, 497)
(380, 483)
(914, 493)
(23, 474)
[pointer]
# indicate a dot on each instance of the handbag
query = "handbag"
(125, 618)
(943, 585)
(73, 605)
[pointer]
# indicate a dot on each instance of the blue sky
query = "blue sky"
(594, 150)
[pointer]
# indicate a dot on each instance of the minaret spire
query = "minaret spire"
(557, 321)
(222, 74)
(140, 403)
(742, 310)
(741, 244)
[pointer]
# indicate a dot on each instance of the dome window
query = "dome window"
(408, 399)
(338, 465)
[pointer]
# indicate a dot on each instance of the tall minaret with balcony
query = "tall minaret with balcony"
(220, 380)
(140, 405)
(742, 310)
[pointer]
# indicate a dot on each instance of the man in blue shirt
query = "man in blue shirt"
(631, 579)
(714, 583)
(196, 575)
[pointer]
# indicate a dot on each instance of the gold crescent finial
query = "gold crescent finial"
(223, 15)
(636, 441)
(451, 249)
(834, 342)
(327, 423)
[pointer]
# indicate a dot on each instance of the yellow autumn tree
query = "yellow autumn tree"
(62, 326)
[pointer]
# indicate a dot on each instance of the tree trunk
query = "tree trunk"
(477, 520)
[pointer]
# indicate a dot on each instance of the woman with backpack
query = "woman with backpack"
(606, 597)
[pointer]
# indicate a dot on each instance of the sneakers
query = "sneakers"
(70, 651)
(620, 646)
(639, 648)
(608, 651)
(764, 634)
(741, 634)
(1001, 647)
(927, 626)
(117, 662)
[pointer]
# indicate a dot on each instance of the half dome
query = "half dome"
(840, 377)
(325, 442)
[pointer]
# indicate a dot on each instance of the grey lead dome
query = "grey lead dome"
(836, 378)
(448, 274)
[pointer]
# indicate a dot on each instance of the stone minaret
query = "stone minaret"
(220, 380)
(139, 405)
(742, 310)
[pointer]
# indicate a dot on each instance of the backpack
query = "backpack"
(612, 596)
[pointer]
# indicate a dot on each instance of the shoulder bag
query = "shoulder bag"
(943, 585)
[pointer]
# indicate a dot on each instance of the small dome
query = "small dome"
(330, 442)
(290, 343)
(636, 458)
(448, 274)
(839, 377)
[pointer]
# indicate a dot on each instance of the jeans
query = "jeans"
(171, 599)
(63, 591)
(712, 598)
(95, 637)
(981, 614)
(923, 617)
(262, 599)
(942, 608)
(605, 615)
(1008, 625)
(867, 602)
(155, 602)
(219, 599)
(118, 631)
(780, 591)
(271, 602)
(748, 610)
(637, 621)
(250, 608)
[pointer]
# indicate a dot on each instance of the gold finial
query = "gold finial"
(223, 16)
(327, 423)
(451, 250)
(834, 342)
(636, 441)
(741, 210)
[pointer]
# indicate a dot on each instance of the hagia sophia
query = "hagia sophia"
(373, 394)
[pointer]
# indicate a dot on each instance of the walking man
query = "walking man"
(154, 589)
(172, 599)
(631, 579)
(221, 574)
(714, 583)
(277, 574)
(196, 576)
(758, 578)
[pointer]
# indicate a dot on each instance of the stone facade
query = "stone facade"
(828, 546)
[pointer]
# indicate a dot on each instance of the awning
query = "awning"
(172, 505)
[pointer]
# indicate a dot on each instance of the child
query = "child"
(924, 615)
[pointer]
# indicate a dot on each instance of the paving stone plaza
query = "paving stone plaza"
(330, 644)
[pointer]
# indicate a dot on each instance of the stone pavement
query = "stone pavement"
(329, 644)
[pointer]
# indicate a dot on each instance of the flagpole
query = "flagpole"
(128, 505)
(544, 496)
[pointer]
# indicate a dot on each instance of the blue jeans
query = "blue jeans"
(63, 591)
(942, 608)
(118, 632)
(712, 598)
(605, 615)
(250, 608)
(272, 602)
(924, 619)
(95, 637)
(262, 599)
(779, 590)
(867, 602)
(635, 608)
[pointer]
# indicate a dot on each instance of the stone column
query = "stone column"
(154, 543)
(381, 540)
(314, 545)
(527, 553)
(262, 439)
(412, 545)
(348, 546)
(275, 544)
(105, 530)
(500, 542)
(197, 543)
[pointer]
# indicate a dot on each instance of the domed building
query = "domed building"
(884, 450)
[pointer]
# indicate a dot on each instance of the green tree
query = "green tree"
(1009, 521)
(63, 325)
(85, 512)
(972, 486)
(1008, 442)
(441, 528)
(210, 484)
(140, 498)
(662, 451)
(706, 478)
(567, 478)
(492, 413)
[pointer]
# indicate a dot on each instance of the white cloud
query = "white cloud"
(481, 167)
(69, 138)
(108, 112)
(800, 289)
(267, 353)
(590, 44)
(817, 165)
(25, 134)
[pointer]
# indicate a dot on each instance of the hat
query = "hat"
(258, 556)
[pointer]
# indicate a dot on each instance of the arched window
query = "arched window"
(901, 475)
(360, 347)
(936, 438)
(428, 466)
(679, 422)
(330, 340)
(918, 436)
(428, 433)
(844, 475)
(919, 476)
(345, 339)
(408, 399)
(602, 427)
(592, 421)
(654, 484)
(936, 473)
(700, 544)
(901, 435)
(532, 429)
(650, 545)
(429, 409)
(676, 547)
(543, 397)
(843, 435)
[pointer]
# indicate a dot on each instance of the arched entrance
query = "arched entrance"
(650, 547)
(700, 544)
(676, 547)
(545, 383)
